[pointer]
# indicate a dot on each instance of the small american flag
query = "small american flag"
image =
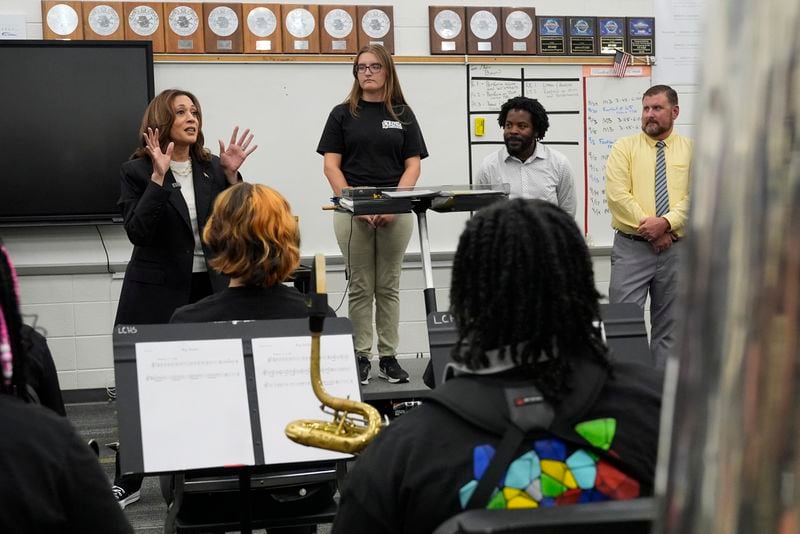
(621, 60)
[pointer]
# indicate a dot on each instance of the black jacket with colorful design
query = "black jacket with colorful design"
(600, 444)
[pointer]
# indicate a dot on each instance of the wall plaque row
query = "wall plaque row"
(506, 30)
(215, 27)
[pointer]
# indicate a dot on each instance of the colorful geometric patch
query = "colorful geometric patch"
(599, 432)
(523, 471)
(554, 474)
(466, 491)
(582, 466)
(614, 483)
(497, 502)
(481, 458)
(551, 449)
(523, 500)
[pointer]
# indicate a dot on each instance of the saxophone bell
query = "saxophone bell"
(354, 423)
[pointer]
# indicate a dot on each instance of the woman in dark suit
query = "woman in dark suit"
(167, 190)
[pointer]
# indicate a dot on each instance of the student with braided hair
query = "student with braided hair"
(41, 379)
(533, 412)
(51, 480)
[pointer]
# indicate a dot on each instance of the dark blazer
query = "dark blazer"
(159, 274)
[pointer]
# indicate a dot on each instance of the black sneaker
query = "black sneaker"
(391, 370)
(123, 497)
(364, 367)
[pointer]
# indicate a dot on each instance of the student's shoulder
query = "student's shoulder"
(196, 312)
(33, 421)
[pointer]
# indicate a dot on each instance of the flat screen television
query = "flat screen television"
(69, 116)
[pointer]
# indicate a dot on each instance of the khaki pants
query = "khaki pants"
(374, 257)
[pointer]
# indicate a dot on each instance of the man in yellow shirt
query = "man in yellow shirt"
(647, 186)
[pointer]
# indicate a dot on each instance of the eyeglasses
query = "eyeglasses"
(362, 68)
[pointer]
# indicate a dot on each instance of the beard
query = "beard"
(518, 145)
(654, 129)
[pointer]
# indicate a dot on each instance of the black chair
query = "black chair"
(626, 333)
(612, 517)
(214, 501)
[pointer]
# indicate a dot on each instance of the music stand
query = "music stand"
(440, 198)
(147, 361)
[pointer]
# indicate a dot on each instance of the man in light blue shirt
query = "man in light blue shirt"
(531, 169)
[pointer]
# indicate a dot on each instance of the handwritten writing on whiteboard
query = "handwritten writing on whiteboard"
(564, 95)
(489, 95)
(613, 110)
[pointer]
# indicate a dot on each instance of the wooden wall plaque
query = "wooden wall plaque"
(641, 39)
(338, 33)
(552, 36)
(103, 21)
(144, 21)
(376, 26)
(62, 19)
(263, 29)
(484, 30)
(223, 28)
(582, 36)
(300, 28)
(519, 30)
(611, 31)
(447, 29)
(184, 28)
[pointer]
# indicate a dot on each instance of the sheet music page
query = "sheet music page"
(283, 382)
(193, 404)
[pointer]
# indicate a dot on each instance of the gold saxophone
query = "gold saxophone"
(354, 423)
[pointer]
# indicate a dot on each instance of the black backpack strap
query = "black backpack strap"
(510, 412)
(503, 456)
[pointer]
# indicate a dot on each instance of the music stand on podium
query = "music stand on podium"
(197, 397)
(440, 198)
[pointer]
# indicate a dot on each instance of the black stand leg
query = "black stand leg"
(427, 269)
(245, 501)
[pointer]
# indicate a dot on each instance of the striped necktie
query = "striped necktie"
(662, 195)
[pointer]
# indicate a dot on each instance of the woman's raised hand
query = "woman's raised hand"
(232, 157)
(160, 159)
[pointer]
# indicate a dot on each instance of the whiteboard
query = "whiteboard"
(587, 114)
(613, 110)
(286, 105)
(558, 87)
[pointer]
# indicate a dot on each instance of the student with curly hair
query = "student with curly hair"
(255, 241)
(531, 168)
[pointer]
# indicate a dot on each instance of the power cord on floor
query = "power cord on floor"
(347, 273)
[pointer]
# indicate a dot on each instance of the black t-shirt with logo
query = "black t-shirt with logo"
(374, 145)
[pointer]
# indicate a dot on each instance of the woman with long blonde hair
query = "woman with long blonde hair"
(373, 139)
